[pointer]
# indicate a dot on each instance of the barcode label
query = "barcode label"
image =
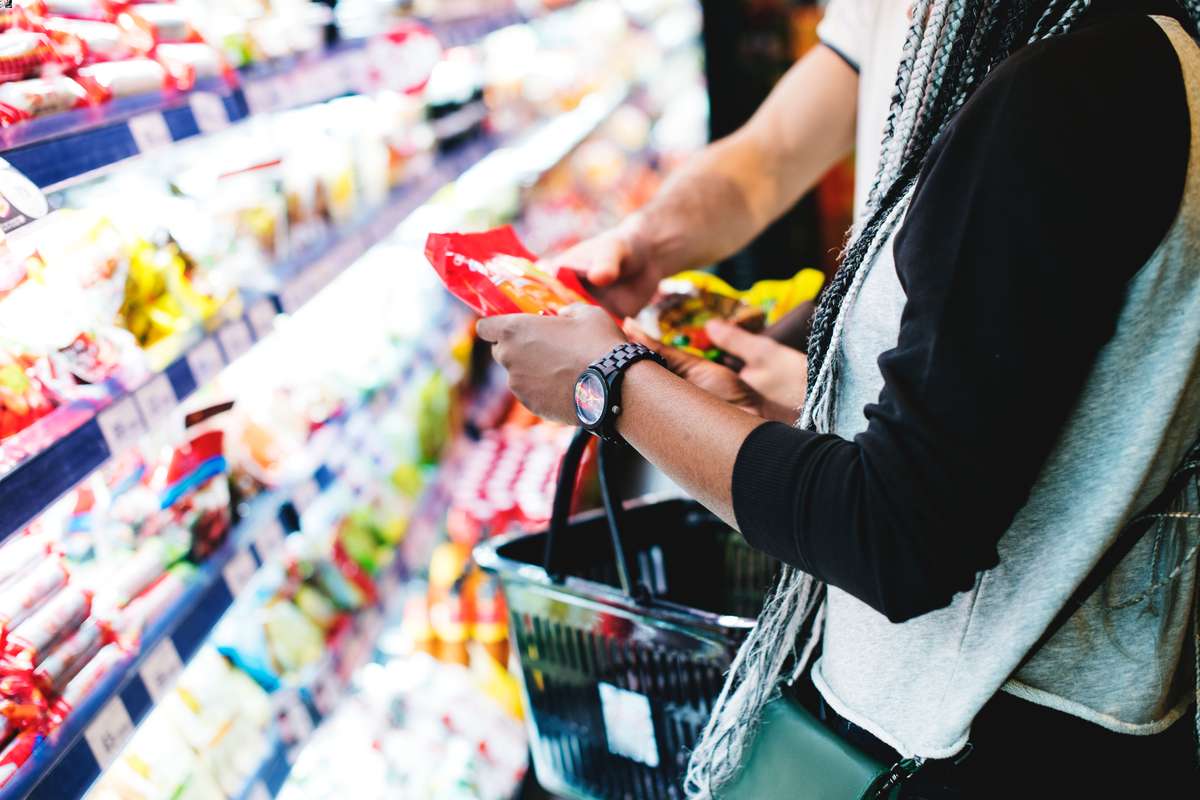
(121, 425)
(150, 132)
(209, 111)
(236, 340)
(205, 361)
(108, 732)
(157, 400)
(239, 571)
(160, 670)
(262, 318)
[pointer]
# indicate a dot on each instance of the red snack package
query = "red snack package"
(29, 641)
(22, 704)
(111, 79)
(16, 754)
(23, 53)
(21, 598)
(37, 97)
(76, 691)
(493, 273)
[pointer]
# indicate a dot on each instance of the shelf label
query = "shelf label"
(121, 424)
(259, 792)
(304, 494)
(294, 722)
(239, 571)
(270, 541)
(150, 132)
(209, 111)
(628, 724)
(160, 670)
(108, 732)
(205, 361)
(157, 400)
(236, 340)
(262, 318)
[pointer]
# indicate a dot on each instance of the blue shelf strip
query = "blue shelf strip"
(56, 150)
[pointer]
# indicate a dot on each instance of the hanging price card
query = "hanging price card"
(209, 111)
(239, 571)
(121, 424)
(157, 400)
(236, 340)
(160, 670)
(150, 132)
(262, 318)
(108, 732)
(205, 361)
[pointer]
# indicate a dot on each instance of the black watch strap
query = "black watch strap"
(611, 366)
(623, 355)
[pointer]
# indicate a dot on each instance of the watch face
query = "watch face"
(590, 394)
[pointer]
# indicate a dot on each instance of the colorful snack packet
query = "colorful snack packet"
(16, 754)
(29, 641)
(19, 600)
(493, 273)
(84, 683)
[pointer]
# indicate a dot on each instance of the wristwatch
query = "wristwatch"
(598, 388)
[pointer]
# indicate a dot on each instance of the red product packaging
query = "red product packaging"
(109, 658)
(37, 97)
(22, 704)
(29, 641)
(16, 754)
(20, 599)
(494, 274)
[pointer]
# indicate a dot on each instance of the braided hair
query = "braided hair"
(950, 48)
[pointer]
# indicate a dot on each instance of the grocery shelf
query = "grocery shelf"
(68, 762)
(56, 150)
(46, 475)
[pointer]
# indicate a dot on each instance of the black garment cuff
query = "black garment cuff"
(840, 54)
(764, 490)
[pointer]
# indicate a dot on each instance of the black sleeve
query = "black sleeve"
(1051, 188)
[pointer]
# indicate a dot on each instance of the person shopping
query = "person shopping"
(1004, 371)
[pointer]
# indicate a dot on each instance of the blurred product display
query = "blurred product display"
(247, 440)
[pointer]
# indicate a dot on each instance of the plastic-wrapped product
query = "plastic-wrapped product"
(493, 273)
(23, 596)
(23, 53)
(16, 753)
(107, 659)
(29, 642)
(64, 661)
(25, 393)
(24, 99)
(18, 553)
(113, 79)
(187, 63)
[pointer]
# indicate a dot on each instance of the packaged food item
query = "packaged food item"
(19, 553)
(686, 302)
(113, 79)
(35, 97)
(69, 656)
(25, 392)
(23, 53)
(107, 659)
(493, 273)
(23, 596)
(30, 641)
(16, 753)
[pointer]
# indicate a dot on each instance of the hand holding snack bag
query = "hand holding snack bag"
(494, 274)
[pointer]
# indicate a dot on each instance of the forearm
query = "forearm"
(717, 203)
(687, 433)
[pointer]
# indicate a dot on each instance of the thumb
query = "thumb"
(738, 341)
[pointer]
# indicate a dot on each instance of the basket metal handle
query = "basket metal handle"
(613, 511)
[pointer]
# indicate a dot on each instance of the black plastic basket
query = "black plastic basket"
(625, 623)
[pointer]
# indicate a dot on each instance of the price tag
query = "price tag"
(262, 318)
(108, 732)
(304, 494)
(259, 792)
(209, 111)
(239, 571)
(160, 670)
(121, 424)
(236, 340)
(150, 132)
(270, 541)
(292, 718)
(205, 361)
(157, 400)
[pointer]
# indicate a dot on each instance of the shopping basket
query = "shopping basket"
(625, 621)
